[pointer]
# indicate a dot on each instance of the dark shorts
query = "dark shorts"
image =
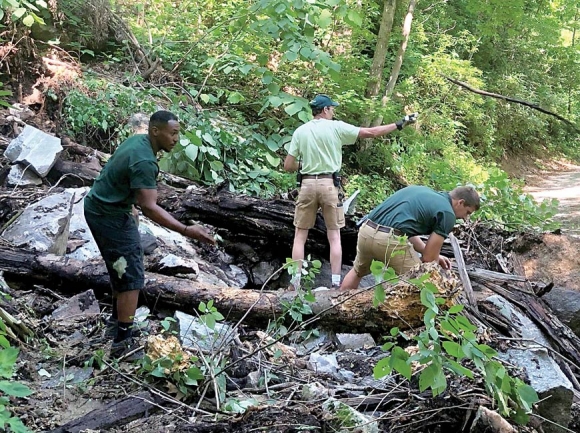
(118, 240)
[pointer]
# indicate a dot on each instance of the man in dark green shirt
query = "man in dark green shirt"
(391, 232)
(129, 178)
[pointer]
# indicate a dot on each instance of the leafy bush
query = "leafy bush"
(448, 339)
(98, 113)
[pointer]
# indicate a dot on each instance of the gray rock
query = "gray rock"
(139, 123)
(44, 225)
(565, 304)
(315, 391)
(312, 343)
(35, 148)
(355, 341)
(70, 375)
(172, 264)
(195, 334)
(79, 230)
(262, 272)
(323, 363)
(556, 392)
(79, 307)
(20, 176)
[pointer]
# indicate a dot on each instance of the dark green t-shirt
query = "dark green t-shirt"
(133, 166)
(416, 210)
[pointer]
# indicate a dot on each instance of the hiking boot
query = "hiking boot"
(129, 349)
(139, 328)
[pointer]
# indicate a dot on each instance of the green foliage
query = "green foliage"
(99, 114)
(9, 388)
(4, 93)
(211, 151)
(23, 10)
(504, 202)
(373, 190)
(447, 340)
(210, 314)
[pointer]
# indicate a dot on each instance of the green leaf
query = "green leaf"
(459, 369)
(14, 389)
(527, 394)
(4, 342)
(235, 97)
(216, 165)
(18, 13)
(209, 139)
(394, 331)
(399, 362)
(427, 377)
(453, 349)
(191, 151)
(428, 299)
(383, 368)
(488, 351)
(354, 18)
(293, 108)
(7, 360)
(456, 309)
(324, 19)
(274, 161)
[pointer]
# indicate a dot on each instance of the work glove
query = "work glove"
(408, 119)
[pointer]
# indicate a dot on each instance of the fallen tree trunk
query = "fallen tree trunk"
(349, 311)
(266, 225)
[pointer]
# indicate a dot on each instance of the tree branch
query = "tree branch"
(507, 98)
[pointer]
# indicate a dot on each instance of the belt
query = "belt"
(317, 176)
(384, 229)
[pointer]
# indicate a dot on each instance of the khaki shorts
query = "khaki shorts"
(318, 194)
(373, 244)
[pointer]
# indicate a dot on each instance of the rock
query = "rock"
(173, 265)
(44, 225)
(79, 230)
(262, 272)
(35, 148)
(320, 363)
(556, 392)
(139, 123)
(315, 391)
(20, 176)
(197, 335)
(355, 341)
(313, 342)
(70, 375)
(565, 304)
(344, 418)
(78, 308)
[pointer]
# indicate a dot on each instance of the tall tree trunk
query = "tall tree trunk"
(573, 45)
(376, 72)
(398, 60)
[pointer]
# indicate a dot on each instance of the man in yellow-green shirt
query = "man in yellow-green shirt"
(317, 146)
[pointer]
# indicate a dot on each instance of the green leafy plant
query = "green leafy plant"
(210, 314)
(23, 10)
(9, 388)
(448, 340)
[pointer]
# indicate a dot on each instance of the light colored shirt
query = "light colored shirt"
(318, 144)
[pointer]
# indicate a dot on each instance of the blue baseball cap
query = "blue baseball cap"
(321, 101)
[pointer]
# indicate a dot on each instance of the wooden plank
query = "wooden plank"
(463, 276)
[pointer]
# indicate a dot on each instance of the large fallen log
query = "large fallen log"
(266, 225)
(350, 311)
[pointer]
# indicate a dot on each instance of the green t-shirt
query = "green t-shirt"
(318, 144)
(416, 210)
(133, 166)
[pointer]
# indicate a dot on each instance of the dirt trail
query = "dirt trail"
(563, 185)
(556, 257)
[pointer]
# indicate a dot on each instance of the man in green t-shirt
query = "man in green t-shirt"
(316, 150)
(395, 226)
(129, 178)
